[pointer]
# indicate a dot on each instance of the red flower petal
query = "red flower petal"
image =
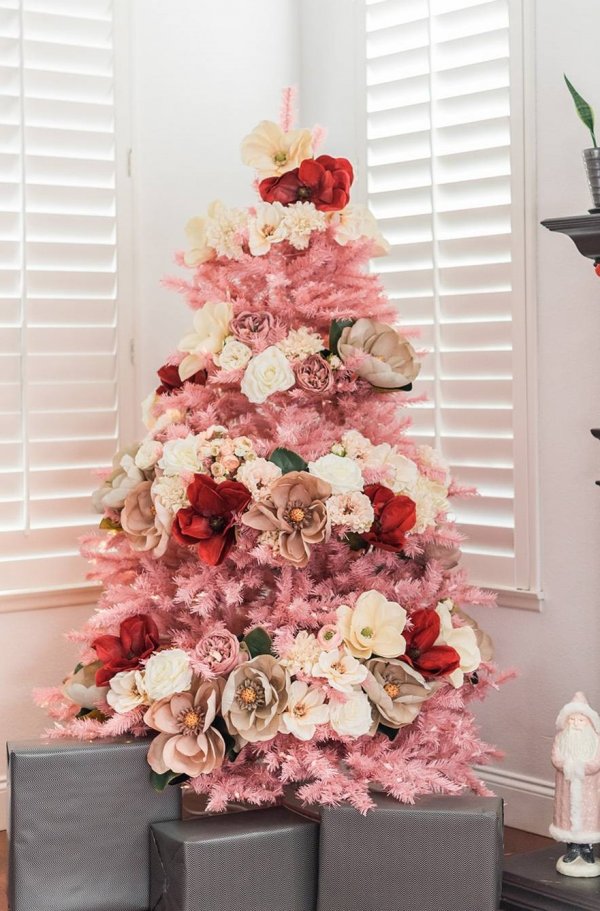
(438, 661)
(215, 549)
(108, 648)
(425, 630)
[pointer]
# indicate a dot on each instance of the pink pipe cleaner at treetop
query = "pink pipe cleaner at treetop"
(283, 597)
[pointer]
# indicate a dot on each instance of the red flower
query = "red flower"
(210, 519)
(324, 181)
(421, 653)
(395, 515)
(170, 379)
(138, 638)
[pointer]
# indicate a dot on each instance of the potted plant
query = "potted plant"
(591, 156)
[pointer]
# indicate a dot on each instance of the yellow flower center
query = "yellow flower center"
(300, 710)
(190, 719)
(247, 695)
(250, 695)
(367, 632)
(392, 689)
(297, 514)
(280, 157)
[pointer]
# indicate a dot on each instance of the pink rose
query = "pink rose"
(216, 654)
(252, 327)
(314, 374)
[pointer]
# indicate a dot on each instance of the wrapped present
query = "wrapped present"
(79, 825)
(440, 853)
(263, 860)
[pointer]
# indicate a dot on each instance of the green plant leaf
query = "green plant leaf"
(355, 541)
(392, 733)
(78, 667)
(584, 110)
(108, 525)
(335, 330)
(287, 460)
(230, 750)
(258, 642)
(160, 782)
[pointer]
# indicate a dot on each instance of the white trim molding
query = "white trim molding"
(519, 599)
(528, 801)
(44, 599)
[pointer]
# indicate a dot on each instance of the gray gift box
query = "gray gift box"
(440, 854)
(79, 824)
(261, 860)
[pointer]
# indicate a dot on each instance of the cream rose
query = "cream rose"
(181, 456)
(127, 692)
(343, 474)
(166, 673)
(352, 718)
(211, 327)
(373, 627)
(234, 355)
(267, 373)
(148, 454)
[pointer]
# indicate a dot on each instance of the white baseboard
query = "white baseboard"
(528, 801)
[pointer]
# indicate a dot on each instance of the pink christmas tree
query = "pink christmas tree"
(283, 601)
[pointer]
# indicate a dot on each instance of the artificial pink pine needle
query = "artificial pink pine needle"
(287, 112)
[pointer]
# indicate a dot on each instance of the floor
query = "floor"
(515, 842)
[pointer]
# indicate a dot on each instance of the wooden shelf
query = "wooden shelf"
(584, 231)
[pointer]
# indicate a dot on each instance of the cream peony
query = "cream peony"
(373, 627)
(305, 710)
(181, 456)
(430, 498)
(80, 686)
(167, 672)
(300, 343)
(234, 355)
(267, 373)
(211, 327)
(272, 152)
(199, 250)
(264, 228)
(352, 718)
(344, 475)
(127, 692)
(341, 671)
(170, 493)
(462, 639)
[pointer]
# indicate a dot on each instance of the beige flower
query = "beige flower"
(139, 520)
(255, 695)
(396, 690)
(186, 744)
(234, 355)
(483, 639)
(226, 229)
(80, 686)
(264, 228)
(388, 359)
(199, 250)
(373, 627)
(295, 509)
(211, 327)
(341, 671)
(352, 718)
(272, 152)
(124, 477)
(305, 710)
(353, 510)
(127, 691)
(267, 373)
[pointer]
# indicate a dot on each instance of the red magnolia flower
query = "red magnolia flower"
(324, 181)
(395, 515)
(210, 519)
(138, 638)
(421, 653)
(170, 379)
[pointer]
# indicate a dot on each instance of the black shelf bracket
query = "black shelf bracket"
(584, 231)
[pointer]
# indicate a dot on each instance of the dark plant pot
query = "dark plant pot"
(591, 158)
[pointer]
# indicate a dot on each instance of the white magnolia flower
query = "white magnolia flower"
(124, 477)
(258, 475)
(305, 710)
(353, 509)
(148, 454)
(127, 691)
(352, 718)
(373, 627)
(170, 492)
(303, 654)
(267, 373)
(341, 671)
(462, 639)
(343, 474)
(225, 230)
(273, 152)
(211, 327)
(301, 219)
(234, 355)
(264, 228)
(166, 673)
(354, 222)
(299, 343)
(80, 686)
(181, 456)
(199, 251)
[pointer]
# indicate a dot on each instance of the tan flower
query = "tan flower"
(186, 744)
(140, 522)
(296, 511)
(255, 695)
(396, 690)
(386, 359)
(272, 152)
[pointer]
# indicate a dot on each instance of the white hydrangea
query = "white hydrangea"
(303, 654)
(300, 220)
(430, 499)
(300, 343)
(225, 229)
(170, 492)
(353, 509)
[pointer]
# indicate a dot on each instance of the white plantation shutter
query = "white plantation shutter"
(58, 282)
(444, 182)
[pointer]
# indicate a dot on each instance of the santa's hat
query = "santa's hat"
(578, 706)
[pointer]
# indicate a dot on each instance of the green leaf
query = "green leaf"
(160, 782)
(585, 112)
(287, 460)
(230, 750)
(392, 733)
(78, 667)
(335, 330)
(355, 541)
(258, 642)
(109, 525)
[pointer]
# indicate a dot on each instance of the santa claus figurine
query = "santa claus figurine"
(576, 758)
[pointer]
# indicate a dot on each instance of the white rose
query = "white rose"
(180, 456)
(167, 673)
(342, 473)
(267, 373)
(127, 691)
(234, 355)
(352, 718)
(374, 627)
(211, 327)
(148, 454)
(341, 671)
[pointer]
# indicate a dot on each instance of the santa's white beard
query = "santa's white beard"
(575, 748)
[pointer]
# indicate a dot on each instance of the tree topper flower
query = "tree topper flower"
(273, 152)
